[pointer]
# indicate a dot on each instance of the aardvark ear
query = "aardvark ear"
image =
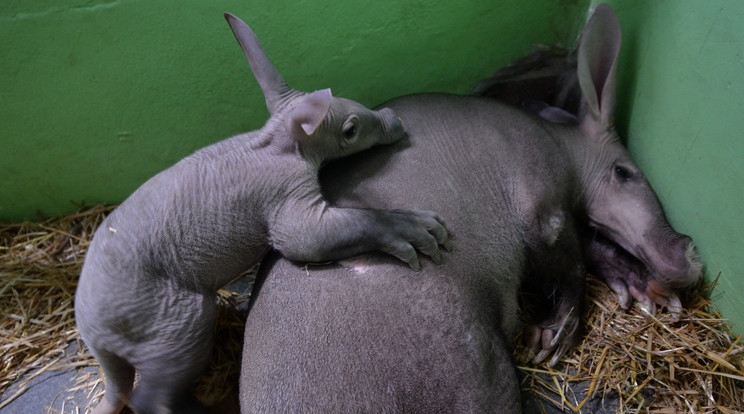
(597, 66)
(311, 111)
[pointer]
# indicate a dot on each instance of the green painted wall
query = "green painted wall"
(682, 110)
(96, 96)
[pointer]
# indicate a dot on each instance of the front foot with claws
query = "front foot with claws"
(628, 277)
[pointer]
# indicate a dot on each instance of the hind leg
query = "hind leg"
(163, 385)
(152, 398)
(119, 377)
(558, 278)
(169, 367)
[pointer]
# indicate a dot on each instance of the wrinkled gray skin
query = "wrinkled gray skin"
(546, 83)
(146, 297)
(369, 336)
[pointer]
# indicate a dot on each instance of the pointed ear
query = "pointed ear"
(551, 113)
(310, 112)
(597, 65)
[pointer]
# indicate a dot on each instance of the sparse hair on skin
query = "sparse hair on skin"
(145, 301)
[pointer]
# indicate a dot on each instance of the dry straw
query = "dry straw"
(40, 264)
(646, 363)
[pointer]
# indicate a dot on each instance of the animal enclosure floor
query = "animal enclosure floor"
(627, 362)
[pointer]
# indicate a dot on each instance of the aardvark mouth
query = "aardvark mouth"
(642, 277)
(668, 257)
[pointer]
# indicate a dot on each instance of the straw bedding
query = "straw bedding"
(644, 363)
(647, 363)
(39, 266)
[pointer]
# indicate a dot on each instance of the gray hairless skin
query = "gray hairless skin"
(546, 83)
(146, 297)
(368, 336)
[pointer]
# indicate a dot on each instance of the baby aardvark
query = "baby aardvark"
(146, 297)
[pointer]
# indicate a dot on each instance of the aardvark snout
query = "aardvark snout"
(392, 127)
(674, 261)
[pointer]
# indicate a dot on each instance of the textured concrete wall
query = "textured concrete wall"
(98, 96)
(682, 110)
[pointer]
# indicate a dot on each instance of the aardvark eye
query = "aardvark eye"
(350, 132)
(622, 173)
